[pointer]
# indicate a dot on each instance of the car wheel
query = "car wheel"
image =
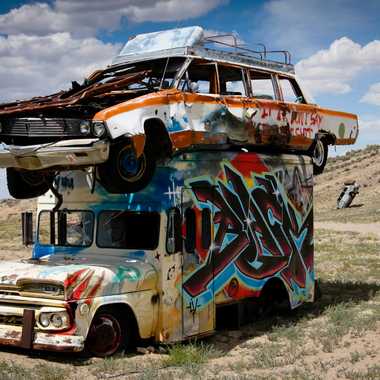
(106, 335)
(319, 153)
(24, 184)
(123, 172)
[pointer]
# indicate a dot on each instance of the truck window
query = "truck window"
(66, 228)
(201, 77)
(291, 92)
(128, 230)
(206, 228)
(173, 231)
(262, 85)
(190, 230)
(231, 81)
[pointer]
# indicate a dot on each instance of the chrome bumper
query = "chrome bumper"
(66, 153)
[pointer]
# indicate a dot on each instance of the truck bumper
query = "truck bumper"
(12, 336)
(66, 154)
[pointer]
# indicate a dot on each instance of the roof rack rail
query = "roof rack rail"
(261, 54)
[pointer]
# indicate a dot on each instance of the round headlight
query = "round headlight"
(56, 320)
(98, 128)
(85, 127)
(45, 320)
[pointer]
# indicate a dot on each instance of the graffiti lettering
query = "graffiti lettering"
(258, 231)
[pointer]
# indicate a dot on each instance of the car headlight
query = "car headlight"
(45, 319)
(98, 128)
(85, 127)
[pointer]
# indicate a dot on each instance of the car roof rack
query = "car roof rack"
(194, 42)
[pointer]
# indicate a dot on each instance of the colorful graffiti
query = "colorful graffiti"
(260, 233)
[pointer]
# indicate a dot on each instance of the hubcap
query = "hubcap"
(105, 335)
(131, 168)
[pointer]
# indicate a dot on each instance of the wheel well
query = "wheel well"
(157, 138)
(274, 290)
(328, 137)
(126, 315)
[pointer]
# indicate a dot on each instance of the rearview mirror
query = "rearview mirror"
(27, 228)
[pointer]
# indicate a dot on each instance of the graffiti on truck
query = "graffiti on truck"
(261, 232)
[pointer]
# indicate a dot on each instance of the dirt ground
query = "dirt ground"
(337, 337)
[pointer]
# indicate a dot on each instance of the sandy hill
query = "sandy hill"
(362, 166)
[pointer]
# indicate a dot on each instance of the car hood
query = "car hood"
(81, 280)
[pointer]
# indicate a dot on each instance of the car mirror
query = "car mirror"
(27, 228)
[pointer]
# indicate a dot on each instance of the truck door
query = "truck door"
(198, 304)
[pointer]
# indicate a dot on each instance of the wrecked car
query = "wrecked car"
(349, 191)
(165, 92)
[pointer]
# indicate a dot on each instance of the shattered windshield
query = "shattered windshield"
(147, 75)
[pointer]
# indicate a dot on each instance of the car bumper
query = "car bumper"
(12, 336)
(65, 154)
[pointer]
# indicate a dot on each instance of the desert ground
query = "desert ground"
(337, 337)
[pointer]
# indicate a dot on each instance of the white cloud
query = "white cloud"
(34, 65)
(84, 19)
(332, 70)
(373, 95)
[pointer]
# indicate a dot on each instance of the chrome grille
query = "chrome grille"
(41, 127)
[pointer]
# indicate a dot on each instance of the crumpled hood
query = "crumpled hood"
(83, 281)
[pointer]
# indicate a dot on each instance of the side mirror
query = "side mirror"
(27, 228)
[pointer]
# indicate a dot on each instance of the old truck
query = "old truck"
(212, 229)
(164, 93)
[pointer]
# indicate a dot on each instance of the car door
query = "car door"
(302, 118)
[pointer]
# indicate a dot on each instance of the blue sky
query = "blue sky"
(335, 44)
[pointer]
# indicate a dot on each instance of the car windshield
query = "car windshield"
(66, 228)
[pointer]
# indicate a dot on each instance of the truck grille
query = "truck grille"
(14, 320)
(41, 127)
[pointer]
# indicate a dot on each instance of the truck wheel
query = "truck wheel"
(319, 152)
(124, 173)
(24, 184)
(107, 334)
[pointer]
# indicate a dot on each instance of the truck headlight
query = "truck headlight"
(85, 127)
(54, 320)
(98, 128)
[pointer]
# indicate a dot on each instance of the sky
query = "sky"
(335, 44)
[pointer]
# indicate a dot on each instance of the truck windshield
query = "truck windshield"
(128, 230)
(66, 228)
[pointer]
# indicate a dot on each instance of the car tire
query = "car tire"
(107, 334)
(319, 153)
(24, 184)
(124, 173)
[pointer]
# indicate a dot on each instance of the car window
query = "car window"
(200, 77)
(290, 91)
(231, 81)
(262, 85)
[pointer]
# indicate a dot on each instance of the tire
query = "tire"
(107, 334)
(319, 153)
(24, 184)
(123, 173)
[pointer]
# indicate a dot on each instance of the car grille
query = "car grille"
(41, 127)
